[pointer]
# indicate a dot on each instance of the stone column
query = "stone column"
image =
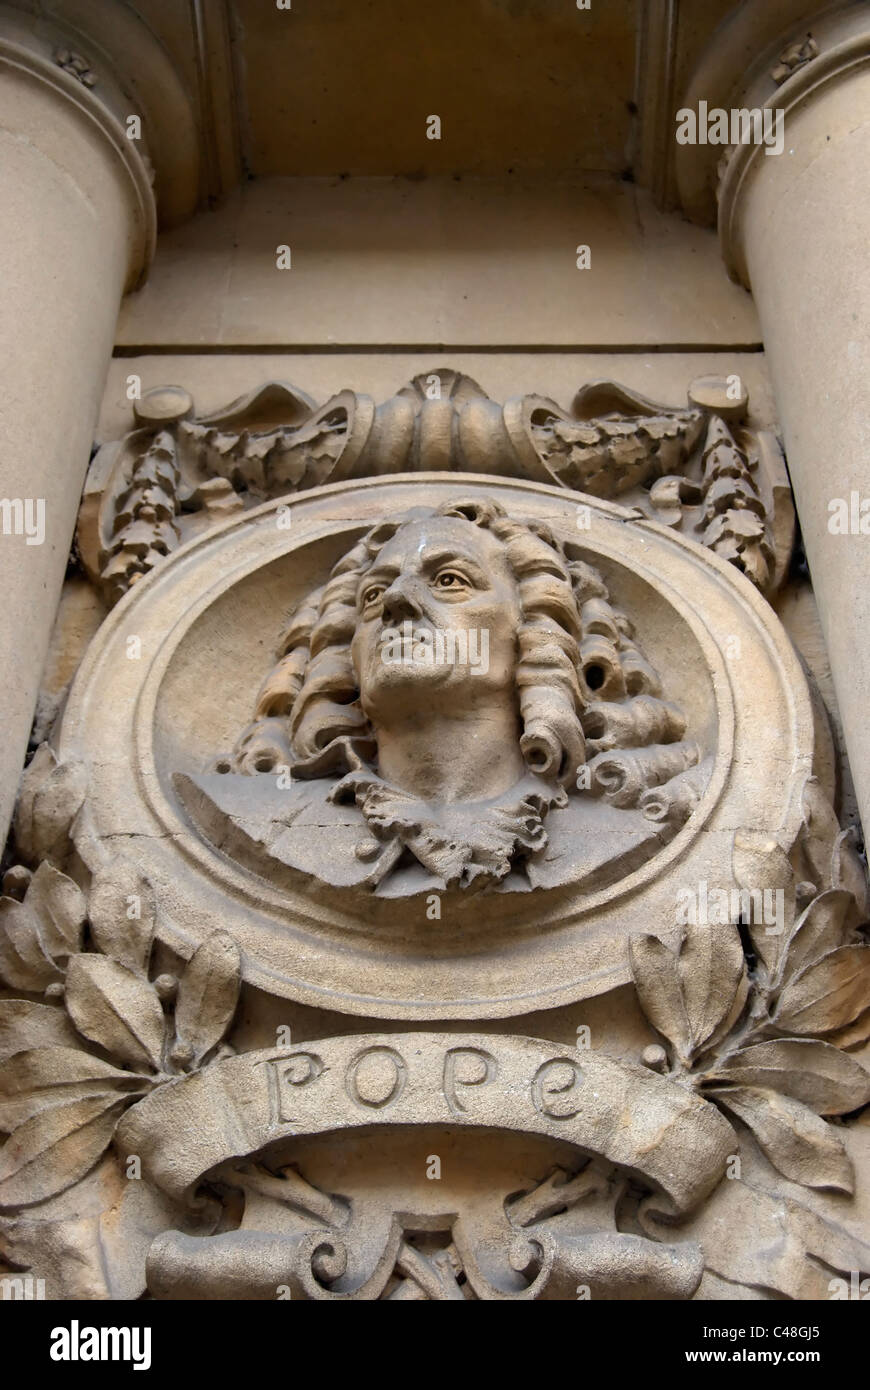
(795, 229)
(77, 226)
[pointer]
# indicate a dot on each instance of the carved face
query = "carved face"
(438, 618)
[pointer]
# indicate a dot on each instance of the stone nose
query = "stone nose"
(401, 600)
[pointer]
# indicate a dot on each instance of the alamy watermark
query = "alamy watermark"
(856, 1289)
(23, 517)
(703, 906)
(423, 646)
(713, 125)
(849, 518)
(21, 1288)
(77, 1343)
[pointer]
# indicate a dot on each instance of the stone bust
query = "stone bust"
(457, 682)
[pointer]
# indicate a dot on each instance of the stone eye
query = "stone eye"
(448, 579)
(372, 594)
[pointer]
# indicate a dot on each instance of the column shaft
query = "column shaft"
(802, 227)
(72, 221)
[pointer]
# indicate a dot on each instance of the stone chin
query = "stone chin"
(443, 659)
(416, 672)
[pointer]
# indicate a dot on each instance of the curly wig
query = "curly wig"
(579, 673)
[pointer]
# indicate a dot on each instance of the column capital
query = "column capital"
(97, 63)
(774, 54)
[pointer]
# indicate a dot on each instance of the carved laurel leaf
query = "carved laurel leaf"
(115, 1008)
(57, 1147)
(208, 993)
(798, 1144)
(760, 863)
(854, 1033)
(41, 764)
(39, 934)
(23, 961)
(41, 1238)
(55, 807)
(812, 1072)
(660, 991)
(24, 1025)
(41, 1077)
(711, 965)
(117, 891)
(821, 928)
(755, 1234)
(730, 1020)
(848, 872)
(50, 797)
(60, 908)
(828, 994)
(820, 831)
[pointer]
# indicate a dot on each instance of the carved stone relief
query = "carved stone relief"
(701, 469)
(795, 56)
(608, 755)
(433, 752)
(77, 66)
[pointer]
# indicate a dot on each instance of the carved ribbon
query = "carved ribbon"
(233, 1108)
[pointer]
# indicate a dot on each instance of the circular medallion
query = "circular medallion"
(448, 837)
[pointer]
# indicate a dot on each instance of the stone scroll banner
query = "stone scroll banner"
(673, 1141)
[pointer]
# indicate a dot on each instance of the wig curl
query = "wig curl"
(579, 673)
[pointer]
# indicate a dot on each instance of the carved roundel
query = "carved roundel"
(434, 747)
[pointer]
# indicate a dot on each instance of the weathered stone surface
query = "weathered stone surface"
(437, 875)
(169, 720)
(601, 690)
(698, 469)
